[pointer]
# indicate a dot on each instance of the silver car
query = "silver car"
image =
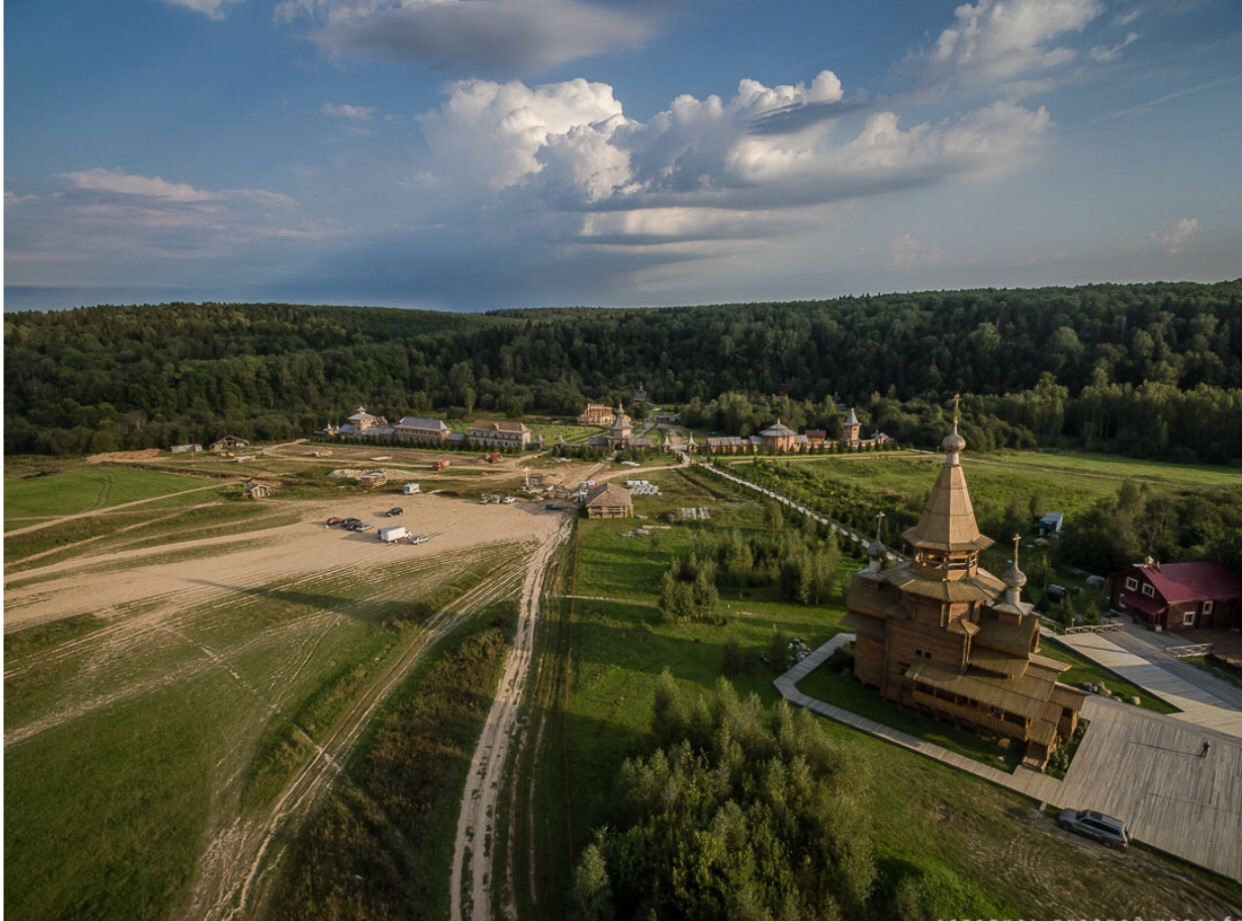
(1105, 829)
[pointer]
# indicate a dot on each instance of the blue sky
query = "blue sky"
(475, 154)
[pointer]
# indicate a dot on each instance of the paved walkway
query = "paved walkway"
(1203, 699)
(1142, 767)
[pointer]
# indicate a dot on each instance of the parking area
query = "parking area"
(1149, 770)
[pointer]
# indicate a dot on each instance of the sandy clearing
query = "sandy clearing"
(473, 857)
(64, 589)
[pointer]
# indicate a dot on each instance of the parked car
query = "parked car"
(394, 512)
(334, 521)
(362, 526)
(552, 507)
(1105, 829)
(348, 523)
(508, 500)
(420, 539)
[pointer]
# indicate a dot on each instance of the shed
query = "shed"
(258, 491)
(1050, 524)
(609, 501)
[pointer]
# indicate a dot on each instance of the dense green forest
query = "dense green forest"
(1151, 370)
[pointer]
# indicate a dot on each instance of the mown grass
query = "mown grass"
(104, 816)
(382, 845)
(290, 739)
(984, 850)
(140, 526)
(41, 637)
(1123, 468)
(41, 488)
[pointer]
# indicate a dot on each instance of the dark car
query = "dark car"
(552, 507)
(334, 521)
(1105, 829)
(349, 523)
(394, 511)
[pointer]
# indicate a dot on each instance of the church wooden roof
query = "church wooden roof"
(980, 586)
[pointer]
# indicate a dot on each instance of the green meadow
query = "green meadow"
(40, 488)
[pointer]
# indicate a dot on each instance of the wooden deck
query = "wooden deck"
(1142, 767)
(1205, 702)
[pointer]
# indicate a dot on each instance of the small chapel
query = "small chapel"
(940, 634)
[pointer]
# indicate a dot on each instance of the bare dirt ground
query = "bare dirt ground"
(78, 586)
(473, 855)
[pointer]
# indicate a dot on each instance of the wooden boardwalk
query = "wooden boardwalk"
(1200, 701)
(1142, 767)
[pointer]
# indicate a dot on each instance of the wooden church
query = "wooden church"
(939, 634)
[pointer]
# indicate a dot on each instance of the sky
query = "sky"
(483, 154)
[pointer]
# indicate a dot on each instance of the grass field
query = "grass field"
(1114, 467)
(36, 489)
(129, 745)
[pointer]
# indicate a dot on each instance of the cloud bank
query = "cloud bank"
(507, 36)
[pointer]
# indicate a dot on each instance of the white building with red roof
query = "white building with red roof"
(1178, 596)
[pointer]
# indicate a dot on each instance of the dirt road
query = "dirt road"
(473, 857)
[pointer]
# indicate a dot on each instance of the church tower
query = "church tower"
(941, 634)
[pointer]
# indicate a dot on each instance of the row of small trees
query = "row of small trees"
(802, 563)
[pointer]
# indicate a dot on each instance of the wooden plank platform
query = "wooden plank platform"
(1140, 766)
(1198, 704)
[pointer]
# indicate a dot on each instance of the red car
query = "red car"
(333, 522)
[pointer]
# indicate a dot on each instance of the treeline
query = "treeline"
(1153, 370)
(1169, 527)
(743, 812)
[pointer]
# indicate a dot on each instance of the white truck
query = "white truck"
(392, 535)
(411, 489)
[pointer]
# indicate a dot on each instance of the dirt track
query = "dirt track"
(473, 857)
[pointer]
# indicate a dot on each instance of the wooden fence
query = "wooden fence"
(1182, 652)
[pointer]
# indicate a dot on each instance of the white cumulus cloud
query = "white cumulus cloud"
(569, 148)
(1001, 39)
(212, 9)
(1174, 240)
(104, 180)
(907, 251)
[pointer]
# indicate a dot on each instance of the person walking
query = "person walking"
(1207, 747)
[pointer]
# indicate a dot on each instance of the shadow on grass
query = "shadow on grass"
(829, 684)
(361, 609)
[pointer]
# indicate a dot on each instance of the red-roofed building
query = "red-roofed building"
(1178, 596)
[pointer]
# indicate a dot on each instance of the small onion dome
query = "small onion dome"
(876, 550)
(954, 443)
(1014, 577)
